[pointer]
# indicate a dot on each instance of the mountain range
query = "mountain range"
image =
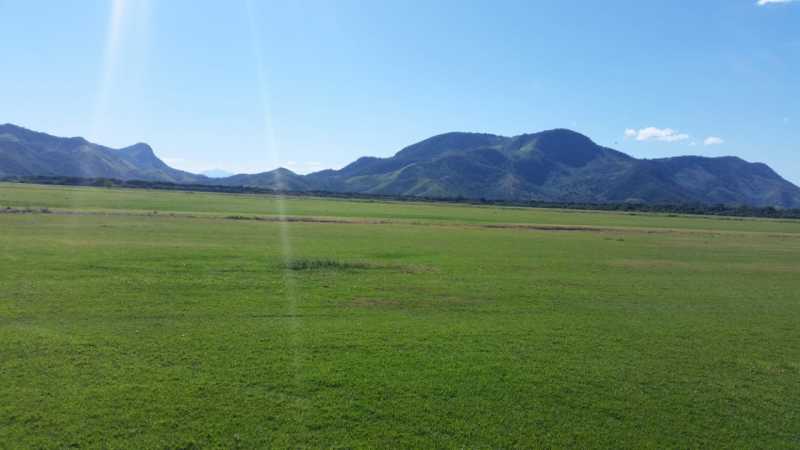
(555, 165)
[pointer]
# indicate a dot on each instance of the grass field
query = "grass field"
(145, 319)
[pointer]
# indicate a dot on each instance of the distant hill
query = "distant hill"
(555, 165)
(279, 179)
(28, 153)
(216, 173)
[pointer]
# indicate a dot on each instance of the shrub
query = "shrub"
(324, 264)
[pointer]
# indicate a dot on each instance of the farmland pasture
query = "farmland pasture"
(150, 319)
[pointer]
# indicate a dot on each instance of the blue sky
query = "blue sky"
(249, 85)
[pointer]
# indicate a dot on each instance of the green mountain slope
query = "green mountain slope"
(28, 153)
(555, 165)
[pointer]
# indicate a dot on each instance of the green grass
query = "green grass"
(247, 205)
(145, 319)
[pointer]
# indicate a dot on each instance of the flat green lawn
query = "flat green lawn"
(400, 325)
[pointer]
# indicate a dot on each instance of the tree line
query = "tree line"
(630, 207)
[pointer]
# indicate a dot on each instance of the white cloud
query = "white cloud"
(655, 134)
(692, 144)
(767, 2)
(713, 140)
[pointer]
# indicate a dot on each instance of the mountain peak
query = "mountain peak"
(562, 132)
(30, 153)
(563, 136)
(37, 137)
(447, 142)
(140, 147)
(283, 171)
(554, 165)
(12, 126)
(18, 130)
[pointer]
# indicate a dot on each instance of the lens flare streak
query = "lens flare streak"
(270, 140)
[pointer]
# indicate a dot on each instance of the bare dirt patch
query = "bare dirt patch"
(306, 219)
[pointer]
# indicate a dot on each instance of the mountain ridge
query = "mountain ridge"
(551, 165)
(25, 152)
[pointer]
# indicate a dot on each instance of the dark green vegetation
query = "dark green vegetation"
(559, 166)
(630, 207)
(550, 166)
(322, 264)
(152, 319)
